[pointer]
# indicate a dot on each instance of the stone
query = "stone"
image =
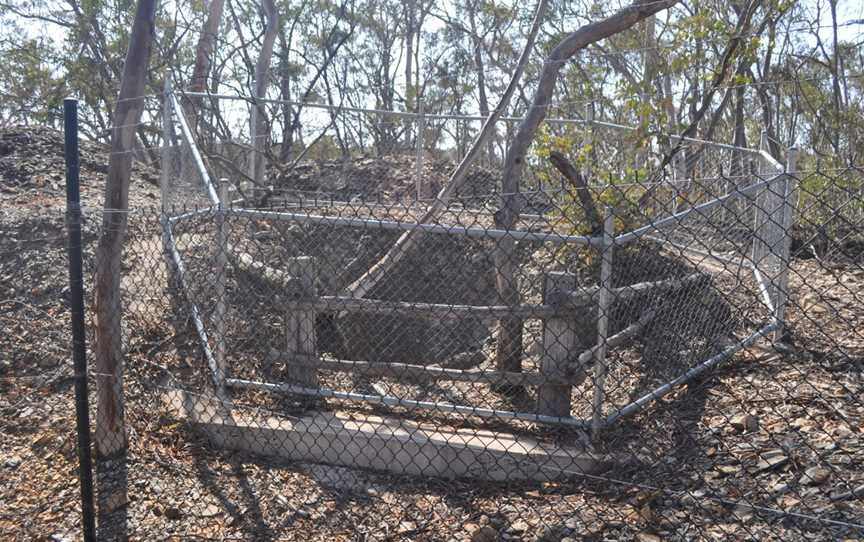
(210, 510)
(12, 462)
(770, 459)
(172, 513)
(780, 487)
(484, 534)
(745, 422)
(728, 469)
(814, 476)
(406, 527)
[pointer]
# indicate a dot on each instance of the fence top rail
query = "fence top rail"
(196, 154)
(374, 223)
(439, 116)
(765, 155)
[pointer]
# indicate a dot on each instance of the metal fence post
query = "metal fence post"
(221, 266)
(761, 202)
(787, 219)
(76, 299)
(604, 304)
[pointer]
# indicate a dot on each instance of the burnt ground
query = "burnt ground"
(768, 447)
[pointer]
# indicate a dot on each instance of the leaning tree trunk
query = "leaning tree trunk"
(110, 431)
(408, 240)
(509, 344)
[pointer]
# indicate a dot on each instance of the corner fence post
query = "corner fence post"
(604, 304)
(784, 250)
(76, 301)
(766, 204)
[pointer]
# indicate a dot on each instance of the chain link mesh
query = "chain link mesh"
(318, 357)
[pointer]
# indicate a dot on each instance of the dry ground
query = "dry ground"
(769, 447)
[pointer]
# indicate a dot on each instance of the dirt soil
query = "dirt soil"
(768, 447)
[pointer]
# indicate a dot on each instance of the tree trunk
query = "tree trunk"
(204, 58)
(649, 72)
(509, 345)
(259, 123)
(410, 32)
(285, 94)
(482, 99)
(110, 434)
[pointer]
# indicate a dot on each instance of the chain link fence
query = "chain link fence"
(315, 355)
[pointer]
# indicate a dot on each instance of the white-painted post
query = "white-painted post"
(300, 326)
(785, 245)
(418, 162)
(604, 306)
(221, 279)
(758, 254)
(559, 343)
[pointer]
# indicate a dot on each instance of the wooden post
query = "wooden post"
(418, 164)
(300, 325)
(604, 305)
(785, 245)
(559, 342)
(221, 279)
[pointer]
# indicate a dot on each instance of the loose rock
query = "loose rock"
(815, 476)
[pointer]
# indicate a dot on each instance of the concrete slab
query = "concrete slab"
(391, 445)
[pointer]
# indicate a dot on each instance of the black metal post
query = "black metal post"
(76, 300)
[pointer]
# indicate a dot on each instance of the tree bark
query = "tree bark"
(410, 32)
(482, 98)
(110, 433)
(509, 344)
(408, 240)
(205, 47)
(259, 123)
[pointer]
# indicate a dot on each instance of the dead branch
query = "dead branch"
(575, 177)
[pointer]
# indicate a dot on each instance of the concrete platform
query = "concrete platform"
(391, 445)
